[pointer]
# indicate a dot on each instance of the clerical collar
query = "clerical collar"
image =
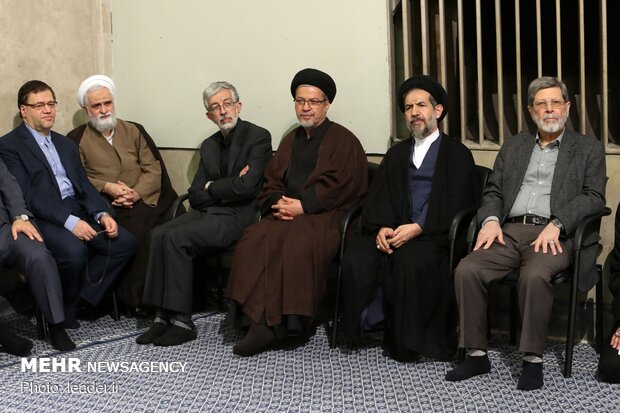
(428, 140)
(421, 147)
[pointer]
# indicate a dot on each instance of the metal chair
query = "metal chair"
(220, 254)
(586, 235)
(352, 214)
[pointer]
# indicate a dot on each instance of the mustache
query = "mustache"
(548, 117)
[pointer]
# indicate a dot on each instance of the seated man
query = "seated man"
(609, 364)
(22, 248)
(223, 201)
(541, 187)
(123, 163)
(90, 249)
(280, 265)
(420, 186)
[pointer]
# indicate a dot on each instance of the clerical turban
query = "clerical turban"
(425, 83)
(314, 77)
(96, 80)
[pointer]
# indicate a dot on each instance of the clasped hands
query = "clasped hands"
(122, 195)
(388, 237)
(548, 240)
(287, 208)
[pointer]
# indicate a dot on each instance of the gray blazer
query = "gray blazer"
(577, 189)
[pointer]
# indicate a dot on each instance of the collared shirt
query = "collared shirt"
(534, 196)
(420, 147)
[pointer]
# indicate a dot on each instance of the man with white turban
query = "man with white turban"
(123, 163)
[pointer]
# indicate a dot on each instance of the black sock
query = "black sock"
(259, 338)
(531, 376)
(158, 329)
(175, 335)
(472, 366)
(59, 338)
(14, 344)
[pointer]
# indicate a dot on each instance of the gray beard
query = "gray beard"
(306, 123)
(558, 126)
(102, 125)
(227, 127)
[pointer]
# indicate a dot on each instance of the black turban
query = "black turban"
(314, 77)
(425, 83)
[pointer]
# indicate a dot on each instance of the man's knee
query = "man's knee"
(534, 276)
(124, 244)
(466, 271)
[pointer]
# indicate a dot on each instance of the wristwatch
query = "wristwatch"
(22, 217)
(556, 223)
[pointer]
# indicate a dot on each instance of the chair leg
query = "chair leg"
(514, 315)
(332, 341)
(570, 334)
(219, 279)
(41, 324)
(599, 310)
(115, 313)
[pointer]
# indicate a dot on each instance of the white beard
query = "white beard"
(103, 124)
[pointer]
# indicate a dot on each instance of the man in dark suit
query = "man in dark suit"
(223, 200)
(22, 248)
(541, 188)
(90, 249)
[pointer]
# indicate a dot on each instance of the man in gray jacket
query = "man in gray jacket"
(541, 187)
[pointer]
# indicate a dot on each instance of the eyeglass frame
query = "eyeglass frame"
(544, 104)
(41, 105)
(312, 103)
(227, 105)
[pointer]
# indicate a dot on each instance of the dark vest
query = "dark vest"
(421, 182)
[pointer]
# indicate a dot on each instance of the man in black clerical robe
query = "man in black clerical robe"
(403, 253)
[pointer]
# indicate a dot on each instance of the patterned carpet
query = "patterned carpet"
(310, 378)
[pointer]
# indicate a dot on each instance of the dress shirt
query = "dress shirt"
(534, 196)
(64, 183)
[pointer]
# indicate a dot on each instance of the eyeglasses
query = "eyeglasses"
(544, 104)
(314, 103)
(39, 106)
(227, 105)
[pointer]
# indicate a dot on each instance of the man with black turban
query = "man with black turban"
(402, 257)
(280, 264)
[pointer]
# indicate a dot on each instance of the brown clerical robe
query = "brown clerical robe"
(133, 159)
(280, 267)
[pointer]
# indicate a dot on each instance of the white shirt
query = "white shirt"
(420, 148)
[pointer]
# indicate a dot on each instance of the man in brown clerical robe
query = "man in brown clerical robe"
(123, 163)
(280, 265)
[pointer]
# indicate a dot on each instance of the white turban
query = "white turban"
(96, 80)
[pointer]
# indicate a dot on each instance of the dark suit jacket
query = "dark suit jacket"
(11, 198)
(577, 189)
(232, 194)
(28, 164)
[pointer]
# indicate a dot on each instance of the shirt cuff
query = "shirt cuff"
(207, 186)
(491, 218)
(71, 222)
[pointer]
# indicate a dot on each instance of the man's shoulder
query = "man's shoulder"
(12, 135)
(250, 127)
